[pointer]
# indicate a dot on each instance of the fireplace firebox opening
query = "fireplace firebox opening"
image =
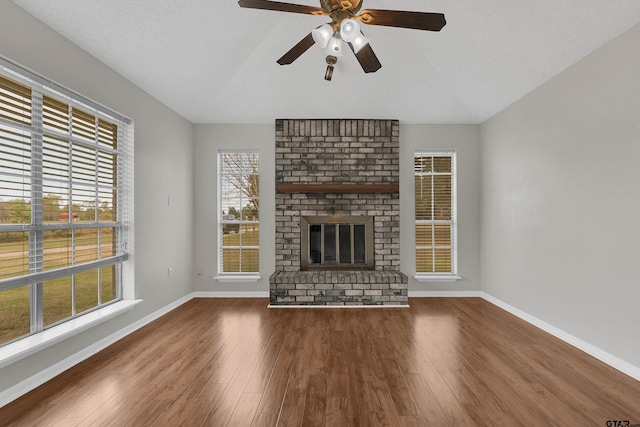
(337, 243)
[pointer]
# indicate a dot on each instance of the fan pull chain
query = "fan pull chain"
(331, 60)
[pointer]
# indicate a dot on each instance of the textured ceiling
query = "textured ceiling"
(214, 62)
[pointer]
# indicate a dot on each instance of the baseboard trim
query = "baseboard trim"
(32, 344)
(444, 294)
(603, 356)
(42, 377)
(226, 294)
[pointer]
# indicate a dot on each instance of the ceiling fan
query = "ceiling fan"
(345, 27)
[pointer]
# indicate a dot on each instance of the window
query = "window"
(435, 201)
(62, 204)
(239, 213)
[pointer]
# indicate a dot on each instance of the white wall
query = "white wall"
(465, 139)
(210, 138)
(561, 202)
(163, 166)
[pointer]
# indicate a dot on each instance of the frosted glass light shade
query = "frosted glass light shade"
(322, 35)
(349, 30)
(359, 43)
(334, 47)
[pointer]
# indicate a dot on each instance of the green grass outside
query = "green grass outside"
(14, 256)
(57, 293)
(14, 303)
(241, 260)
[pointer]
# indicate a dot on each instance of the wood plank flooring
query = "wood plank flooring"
(234, 362)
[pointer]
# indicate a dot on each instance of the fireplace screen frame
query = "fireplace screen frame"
(305, 228)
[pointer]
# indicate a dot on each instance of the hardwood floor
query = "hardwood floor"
(234, 362)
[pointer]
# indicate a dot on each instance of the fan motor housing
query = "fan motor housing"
(331, 5)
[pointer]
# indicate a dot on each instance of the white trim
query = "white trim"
(45, 375)
(603, 356)
(452, 154)
(27, 346)
(221, 276)
(339, 306)
(230, 294)
(437, 278)
(445, 294)
(236, 279)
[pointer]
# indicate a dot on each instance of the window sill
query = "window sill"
(27, 346)
(233, 278)
(437, 277)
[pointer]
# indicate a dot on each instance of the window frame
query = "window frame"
(229, 276)
(38, 274)
(452, 275)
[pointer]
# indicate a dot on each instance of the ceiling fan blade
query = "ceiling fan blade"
(367, 59)
(403, 19)
(282, 7)
(295, 52)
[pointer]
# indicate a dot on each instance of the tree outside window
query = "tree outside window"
(239, 212)
(435, 215)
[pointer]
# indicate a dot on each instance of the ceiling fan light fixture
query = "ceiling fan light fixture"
(334, 47)
(322, 35)
(349, 30)
(359, 43)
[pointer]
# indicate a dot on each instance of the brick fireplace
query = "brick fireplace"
(337, 169)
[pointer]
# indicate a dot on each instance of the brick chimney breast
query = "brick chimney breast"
(337, 152)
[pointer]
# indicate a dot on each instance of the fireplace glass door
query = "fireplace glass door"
(337, 242)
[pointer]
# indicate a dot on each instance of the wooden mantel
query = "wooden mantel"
(338, 188)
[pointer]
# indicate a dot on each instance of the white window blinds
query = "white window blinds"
(435, 212)
(63, 179)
